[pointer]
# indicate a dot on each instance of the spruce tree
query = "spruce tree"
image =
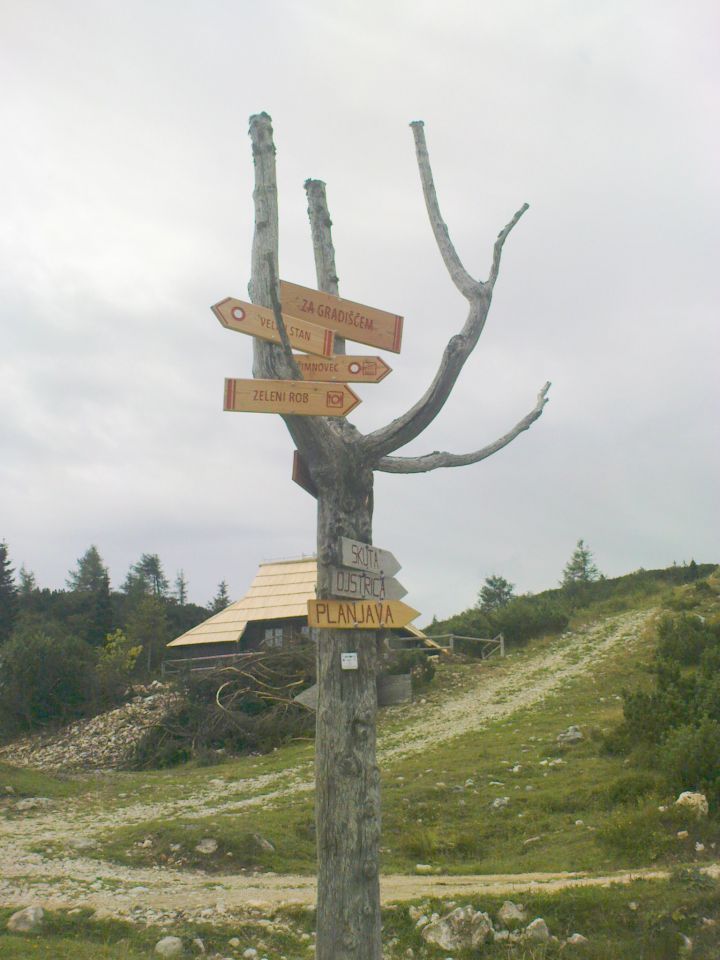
(181, 588)
(8, 595)
(580, 568)
(90, 573)
(221, 598)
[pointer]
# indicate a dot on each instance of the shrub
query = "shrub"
(632, 787)
(691, 759)
(235, 710)
(44, 679)
(685, 638)
(417, 663)
(116, 662)
(529, 617)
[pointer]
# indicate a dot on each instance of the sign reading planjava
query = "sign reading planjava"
(359, 614)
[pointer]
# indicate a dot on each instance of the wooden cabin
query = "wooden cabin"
(271, 615)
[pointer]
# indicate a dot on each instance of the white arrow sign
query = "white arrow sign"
(363, 556)
(361, 585)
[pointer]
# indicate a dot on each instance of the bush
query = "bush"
(529, 617)
(116, 662)
(44, 679)
(632, 787)
(690, 758)
(417, 663)
(685, 638)
(234, 710)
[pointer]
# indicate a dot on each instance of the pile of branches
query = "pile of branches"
(244, 708)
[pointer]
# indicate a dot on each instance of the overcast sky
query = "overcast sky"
(126, 210)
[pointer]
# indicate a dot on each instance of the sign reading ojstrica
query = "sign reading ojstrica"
(361, 585)
(359, 614)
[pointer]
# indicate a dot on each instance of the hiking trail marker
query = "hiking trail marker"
(344, 368)
(359, 614)
(289, 397)
(363, 556)
(260, 322)
(361, 585)
(353, 321)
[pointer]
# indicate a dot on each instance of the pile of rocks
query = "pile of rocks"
(105, 742)
(465, 928)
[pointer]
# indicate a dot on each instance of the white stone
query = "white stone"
(537, 930)
(573, 734)
(699, 847)
(463, 928)
(29, 920)
(511, 913)
(251, 953)
(697, 802)
(682, 834)
(234, 942)
(169, 947)
(576, 939)
(207, 845)
(423, 868)
(500, 802)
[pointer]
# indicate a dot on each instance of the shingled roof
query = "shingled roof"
(281, 590)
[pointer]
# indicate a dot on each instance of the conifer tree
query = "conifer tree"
(221, 598)
(496, 592)
(8, 595)
(580, 568)
(181, 587)
(28, 582)
(89, 574)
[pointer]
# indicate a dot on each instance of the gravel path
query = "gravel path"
(162, 894)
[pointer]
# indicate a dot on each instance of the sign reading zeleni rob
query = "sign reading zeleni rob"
(290, 397)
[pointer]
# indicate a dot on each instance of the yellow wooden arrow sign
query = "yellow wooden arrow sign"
(359, 614)
(260, 322)
(290, 396)
(351, 320)
(343, 368)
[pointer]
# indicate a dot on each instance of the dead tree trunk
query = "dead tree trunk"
(341, 462)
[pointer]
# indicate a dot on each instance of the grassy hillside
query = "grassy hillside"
(475, 781)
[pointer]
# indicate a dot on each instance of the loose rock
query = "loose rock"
(208, 845)
(697, 802)
(169, 947)
(462, 929)
(29, 920)
(511, 913)
(537, 930)
(573, 734)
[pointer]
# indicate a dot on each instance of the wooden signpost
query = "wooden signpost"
(363, 556)
(359, 614)
(290, 397)
(354, 321)
(343, 367)
(260, 322)
(361, 585)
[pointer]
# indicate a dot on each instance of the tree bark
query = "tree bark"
(341, 462)
(347, 780)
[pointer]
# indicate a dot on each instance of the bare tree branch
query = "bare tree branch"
(311, 434)
(412, 423)
(280, 322)
(432, 461)
(460, 277)
(499, 243)
(321, 232)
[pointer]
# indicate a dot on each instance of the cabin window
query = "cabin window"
(274, 637)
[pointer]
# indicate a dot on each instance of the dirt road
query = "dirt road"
(41, 853)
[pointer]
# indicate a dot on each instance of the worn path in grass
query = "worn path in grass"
(71, 824)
